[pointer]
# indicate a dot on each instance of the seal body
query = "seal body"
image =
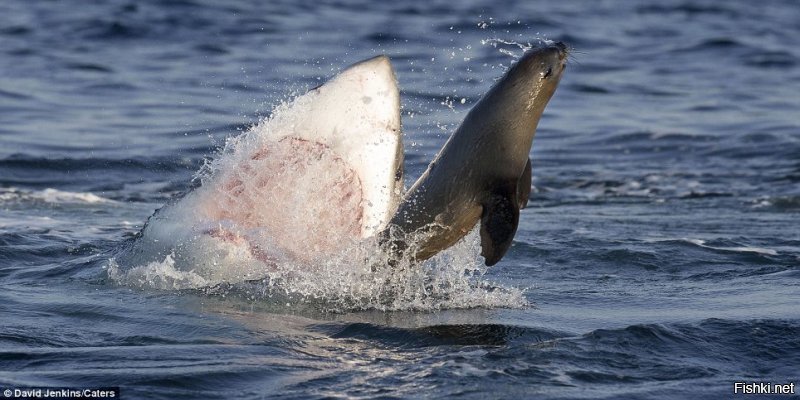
(483, 171)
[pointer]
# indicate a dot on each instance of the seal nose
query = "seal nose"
(562, 50)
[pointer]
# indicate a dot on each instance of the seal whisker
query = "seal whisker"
(572, 56)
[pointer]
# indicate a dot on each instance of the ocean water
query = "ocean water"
(658, 258)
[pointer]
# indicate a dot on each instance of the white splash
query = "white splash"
(157, 275)
(506, 46)
(357, 278)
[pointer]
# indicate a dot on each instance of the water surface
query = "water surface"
(658, 257)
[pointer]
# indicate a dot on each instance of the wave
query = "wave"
(689, 8)
(778, 203)
(439, 335)
(79, 180)
(735, 248)
(643, 358)
(159, 164)
(51, 196)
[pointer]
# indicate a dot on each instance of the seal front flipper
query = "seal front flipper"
(499, 223)
(524, 186)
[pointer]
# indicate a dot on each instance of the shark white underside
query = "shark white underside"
(324, 170)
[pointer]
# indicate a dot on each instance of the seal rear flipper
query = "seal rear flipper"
(524, 186)
(499, 224)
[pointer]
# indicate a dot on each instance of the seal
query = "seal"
(483, 172)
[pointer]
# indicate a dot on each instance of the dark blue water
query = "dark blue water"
(659, 256)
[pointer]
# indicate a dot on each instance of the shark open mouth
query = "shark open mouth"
(269, 195)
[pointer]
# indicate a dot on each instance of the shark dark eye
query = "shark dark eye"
(548, 73)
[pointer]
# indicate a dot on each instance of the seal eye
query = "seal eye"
(548, 73)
